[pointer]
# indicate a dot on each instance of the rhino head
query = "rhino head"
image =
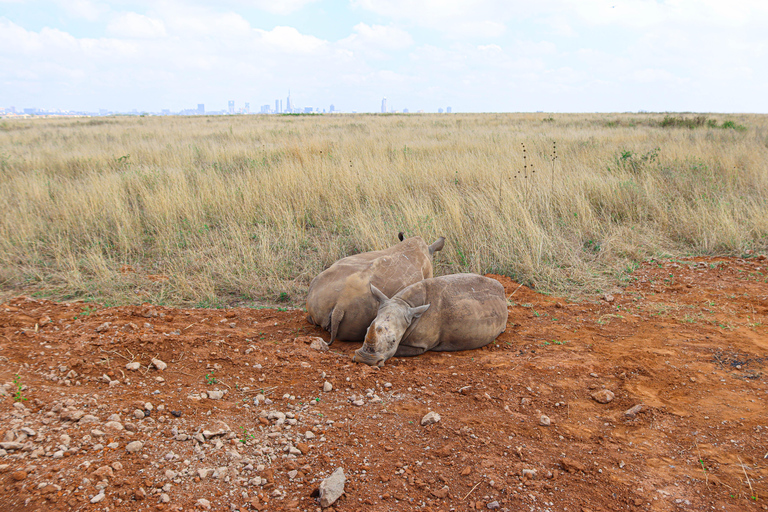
(386, 331)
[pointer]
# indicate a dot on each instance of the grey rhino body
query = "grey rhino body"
(448, 313)
(339, 298)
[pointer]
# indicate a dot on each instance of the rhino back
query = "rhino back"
(466, 311)
(347, 284)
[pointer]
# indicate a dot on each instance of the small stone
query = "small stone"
(430, 418)
(103, 327)
(104, 472)
(134, 446)
(544, 421)
(309, 434)
(327, 387)
(441, 493)
(164, 498)
(359, 402)
(19, 475)
(138, 414)
(157, 363)
(332, 488)
(633, 411)
(113, 425)
(319, 345)
(215, 394)
(99, 497)
(603, 396)
(493, 505)
(608, 298)
(11, 445)
(204, 504)
(529, 473)
(134, 365)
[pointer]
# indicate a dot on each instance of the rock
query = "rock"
(303, 448)
(164, 498)
(99, 497)
(113, 425)
(359, 402)
(633, 411)
(529, 473)
(216, 394)
(103, 327)
(138, 414)
(332, 488)
(430, 418)
(73, 416)
(572, 466)
(203, 503)
(157, 363)
(441, 493)
(544, 421)
(327, 387)
(319, 345)
(89, 418)
(104, 472)
(28, 431)
(134, 365)
(11, 445)
(134, 446)
(309, 434)
(608, 298)
(18, 476)
(493, 505)
(603, 396)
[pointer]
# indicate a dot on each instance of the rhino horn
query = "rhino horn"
(379, 295)
(437, 245)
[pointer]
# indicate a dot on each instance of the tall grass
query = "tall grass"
(221, 210)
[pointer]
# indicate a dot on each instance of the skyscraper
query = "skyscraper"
(247, 109)
(384, 106)
(449, 110)
(201, 108)
(231, 106)
(333, 109)
(288, 103)
(277, 106)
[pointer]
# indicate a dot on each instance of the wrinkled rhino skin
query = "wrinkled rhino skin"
(339, 298)
(450, 313)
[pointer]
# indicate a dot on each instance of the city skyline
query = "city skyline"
(476, 55)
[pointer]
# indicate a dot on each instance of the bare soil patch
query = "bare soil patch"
(686, 341)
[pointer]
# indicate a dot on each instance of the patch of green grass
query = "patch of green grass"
(210, 379)
(17, 396)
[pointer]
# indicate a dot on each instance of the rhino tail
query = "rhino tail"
(437, 245)
(336, 315)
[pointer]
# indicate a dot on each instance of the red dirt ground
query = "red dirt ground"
(687, 340)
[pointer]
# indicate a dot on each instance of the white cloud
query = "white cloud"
(290, 40)
(380, 36)
(132, 25)
(279, 6)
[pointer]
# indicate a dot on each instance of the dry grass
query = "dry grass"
(221, 210)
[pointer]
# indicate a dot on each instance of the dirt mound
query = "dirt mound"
(651, 399)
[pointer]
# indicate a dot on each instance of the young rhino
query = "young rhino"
(339, 298)
(449, 313)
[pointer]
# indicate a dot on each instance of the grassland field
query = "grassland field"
(213, 211)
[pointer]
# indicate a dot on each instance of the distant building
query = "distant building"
(103, 112)
(288, 106)
(12, 110)
(333, 109)
(277, 106)
(384, 106)
(247, 108)
(167, 112)
(308, 110)
(448, 110)
(405, 111)
(440, 110)
(231, 106)
(201, 108)
(265, 109)
(30, 111)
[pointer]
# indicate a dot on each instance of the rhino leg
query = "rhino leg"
(409, 351)
(336, 315)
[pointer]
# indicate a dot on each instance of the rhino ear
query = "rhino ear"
(415, 313)
(437, 245)
(379, 295)
(400, 236)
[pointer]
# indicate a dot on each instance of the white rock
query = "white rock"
(157, 363)
(204, 504)
(138, 414)
(309, 434)
(430, 418)
(327, 387)
(134, 365)
(544, 421)
(99, 497)
(332, 488)
(113, 425)
(319, 345)
(215, 394)
(134, 446)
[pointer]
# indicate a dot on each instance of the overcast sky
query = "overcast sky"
(472, 55)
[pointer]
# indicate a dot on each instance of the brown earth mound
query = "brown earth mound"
(651, 399)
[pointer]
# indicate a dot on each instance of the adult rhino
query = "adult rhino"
(339, 298)
(448, 313)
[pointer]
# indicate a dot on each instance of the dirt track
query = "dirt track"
(688, 340)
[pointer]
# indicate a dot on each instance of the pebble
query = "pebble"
(359, 402)
(113, 425)
(160, 365)
(430, 418)
(138, 414)
(633, 411)
(19, 475)
(135, 365)
(544, 421)
(603, 396)
(99, 497)
(134, 446)
(216, 394)
(493, 505)
(529, 473)
(204, 504)
(327, 387)
(309, 434)
(164, 498)
(103, 327)
(319, 345)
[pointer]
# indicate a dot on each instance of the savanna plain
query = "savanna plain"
(155, 354)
